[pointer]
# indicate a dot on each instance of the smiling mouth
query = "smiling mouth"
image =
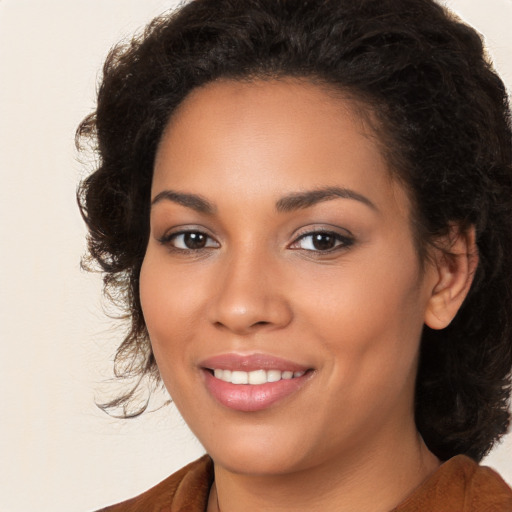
(255, 377)
(255, 390)
(253, 382)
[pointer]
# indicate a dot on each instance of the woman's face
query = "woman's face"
(281, 246)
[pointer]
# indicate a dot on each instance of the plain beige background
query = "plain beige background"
(58, 452)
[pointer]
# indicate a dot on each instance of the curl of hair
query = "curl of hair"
(443, 119)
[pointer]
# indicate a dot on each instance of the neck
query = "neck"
(374, 481)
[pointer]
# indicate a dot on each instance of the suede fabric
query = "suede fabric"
(186, 490)
(459, 485)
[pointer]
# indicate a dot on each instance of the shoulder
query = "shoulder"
(460, 484)
(185, 490)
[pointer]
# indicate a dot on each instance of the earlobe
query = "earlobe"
(455, 266)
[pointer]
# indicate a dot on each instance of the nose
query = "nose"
(250, 296)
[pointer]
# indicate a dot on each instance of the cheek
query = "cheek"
(168, 305)
(370, 314)
(169, 328)
(169, 296)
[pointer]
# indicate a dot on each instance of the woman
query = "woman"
(306, 206)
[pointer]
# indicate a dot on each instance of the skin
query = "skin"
(346, 440)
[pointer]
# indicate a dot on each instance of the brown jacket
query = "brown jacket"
(459, 485)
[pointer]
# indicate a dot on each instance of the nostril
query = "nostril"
(250, 327)
(251, 314)
(259, 324)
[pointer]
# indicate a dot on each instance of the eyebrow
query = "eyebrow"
(300, 200)
(289, 203)
(193, 201)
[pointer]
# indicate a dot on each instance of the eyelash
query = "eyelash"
(171, 237)
(340, 241)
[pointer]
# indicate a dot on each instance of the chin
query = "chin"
(257, 451)
(256, 462)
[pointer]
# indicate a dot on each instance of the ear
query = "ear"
(455, 261)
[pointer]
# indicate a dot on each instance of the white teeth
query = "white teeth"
(239, 377)
(258, 377)
(273, 375)
(255, 377)
(226, 375)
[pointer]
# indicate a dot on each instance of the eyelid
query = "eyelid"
(177, 231)
(345, 240)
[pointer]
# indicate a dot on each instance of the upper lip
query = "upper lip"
(251, 362)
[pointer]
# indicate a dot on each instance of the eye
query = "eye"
(322, 241)
(189, 241)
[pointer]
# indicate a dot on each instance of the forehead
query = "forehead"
(282, 103)
(271, 135)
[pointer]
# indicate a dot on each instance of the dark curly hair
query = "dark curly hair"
(442, 116)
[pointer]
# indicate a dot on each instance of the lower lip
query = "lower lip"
(249, 397)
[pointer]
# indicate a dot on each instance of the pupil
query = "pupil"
(323, 242)
(195, 240)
